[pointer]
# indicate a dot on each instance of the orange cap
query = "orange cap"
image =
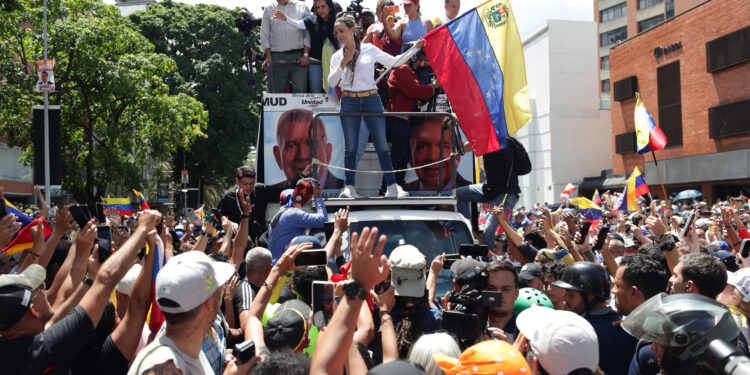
(487, 357)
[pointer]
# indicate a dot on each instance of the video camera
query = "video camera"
(246, 23)
(466, 319)
(356, 8)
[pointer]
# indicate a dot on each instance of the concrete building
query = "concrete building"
(692, 72)
(618, 20)
(129, 6)
(568, 137)
(15, 178)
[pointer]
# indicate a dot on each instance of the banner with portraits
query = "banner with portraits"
(285, 148)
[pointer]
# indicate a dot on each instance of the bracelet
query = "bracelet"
(34, 254)
(263, 351)
(88, 281)
(244, 217)
(384, 312)
(270, 287)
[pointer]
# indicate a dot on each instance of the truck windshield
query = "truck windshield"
(432, 238)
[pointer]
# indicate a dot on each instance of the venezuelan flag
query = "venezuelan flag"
(122, 205)
(23, 240)
(649, 136)
(142, 200)
(635, 187)
(569, 188)
(478, 59)
(12, 210)
(597, 198)
(587, 209)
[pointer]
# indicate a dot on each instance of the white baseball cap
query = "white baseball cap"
(125, 286)
(408, 271)
(561, 340)
(189, 279)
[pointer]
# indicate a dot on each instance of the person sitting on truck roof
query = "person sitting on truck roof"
(292, 220)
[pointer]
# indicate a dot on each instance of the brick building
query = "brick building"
(693, 74)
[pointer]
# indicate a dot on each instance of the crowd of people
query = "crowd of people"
(635, 293)
(336, 52)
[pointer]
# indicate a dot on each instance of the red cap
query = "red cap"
(411, 2)
(302, 192)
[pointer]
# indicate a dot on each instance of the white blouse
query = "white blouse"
(364, 70)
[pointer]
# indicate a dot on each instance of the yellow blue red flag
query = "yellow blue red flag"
(478, 59)
(648, 135)
(635, 187)
(122, 205)
(143, 204)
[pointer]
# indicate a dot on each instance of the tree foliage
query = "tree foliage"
(118, 115)
(208, 50)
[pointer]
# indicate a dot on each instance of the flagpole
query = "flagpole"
(664, 190)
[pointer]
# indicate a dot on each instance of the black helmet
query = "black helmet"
(585, 277)
(685, 324)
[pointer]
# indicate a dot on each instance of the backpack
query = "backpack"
(521, 162)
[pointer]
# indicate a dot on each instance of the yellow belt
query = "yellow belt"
(359, 94)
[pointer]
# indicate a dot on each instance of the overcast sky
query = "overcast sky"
(529, 13)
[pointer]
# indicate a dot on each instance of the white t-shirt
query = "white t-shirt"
(163, 350)
(364, 69)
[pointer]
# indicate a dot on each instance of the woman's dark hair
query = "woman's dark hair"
(349, 22)
(326, 27)
(409, 326)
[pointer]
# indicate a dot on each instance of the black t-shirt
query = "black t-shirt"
(259, 198)
(616, 347)
(500, 177)
(243, 298)
(318, 35)
(51, 351)
(100, 358)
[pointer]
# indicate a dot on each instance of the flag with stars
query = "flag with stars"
(478, 59)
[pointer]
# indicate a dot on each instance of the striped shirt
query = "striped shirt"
(243, 297)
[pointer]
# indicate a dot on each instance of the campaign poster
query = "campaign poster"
(286, 152)
(45, 76)
(286, 140)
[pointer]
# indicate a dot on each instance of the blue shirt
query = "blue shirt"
(413, 30)
(616, 347)
(292, 223)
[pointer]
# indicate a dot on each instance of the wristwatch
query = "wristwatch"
(88, 281)
(353, 290)
(306, 54)
(244, 216)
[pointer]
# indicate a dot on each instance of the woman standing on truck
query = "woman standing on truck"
(410, 28)
(353, 69)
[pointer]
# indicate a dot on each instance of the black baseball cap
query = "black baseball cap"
(529, 271)
(15, 294)
(288, 328)
(465, 265)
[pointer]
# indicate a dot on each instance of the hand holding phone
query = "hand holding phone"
(745, 248)
(449, 259)
(104, 239)
(244, 351)
(81, 214)
(583, 232)
(311, 257)
(323, 303)
(601, 237)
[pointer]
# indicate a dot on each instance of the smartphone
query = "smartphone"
(449, 260)
(688, 223)
(322, 304)
(311, 257)
(244, 351)
(492, 299)
(104, 239)
(745, 248)
(80, 214)
(603, 232)
(382, 287)
(584, 231)
(473, 250)
(100, 213)
(391, 10)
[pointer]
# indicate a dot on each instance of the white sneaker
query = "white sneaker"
(395, 191)
(349, 192)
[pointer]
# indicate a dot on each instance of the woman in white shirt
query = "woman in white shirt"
(353, 69)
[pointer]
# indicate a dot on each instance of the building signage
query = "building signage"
(661, 51)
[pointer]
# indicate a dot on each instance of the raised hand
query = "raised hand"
(367, 257)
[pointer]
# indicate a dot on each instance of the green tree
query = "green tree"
(118, 116)
(208, 49)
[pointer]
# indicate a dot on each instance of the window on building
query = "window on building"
(669, 8)
(612, 37)
(650, 22)
(605, 86)
(647, 3)
(670, 102)
(605, 62)
(728, 50)
(614, 12)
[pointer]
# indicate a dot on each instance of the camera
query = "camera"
(470, 307)
(356, 8)
(246, 23)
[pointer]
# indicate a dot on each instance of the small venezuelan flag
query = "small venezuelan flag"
(635, 188)
(122, 205)
(144, 205)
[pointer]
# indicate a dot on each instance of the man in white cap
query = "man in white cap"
(189, 293)
(560, 342)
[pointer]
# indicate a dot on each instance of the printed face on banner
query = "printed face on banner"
(45, 76)
(287, 140)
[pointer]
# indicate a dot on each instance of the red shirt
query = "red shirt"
(404, 88)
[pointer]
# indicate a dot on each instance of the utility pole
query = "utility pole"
(47, 188)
